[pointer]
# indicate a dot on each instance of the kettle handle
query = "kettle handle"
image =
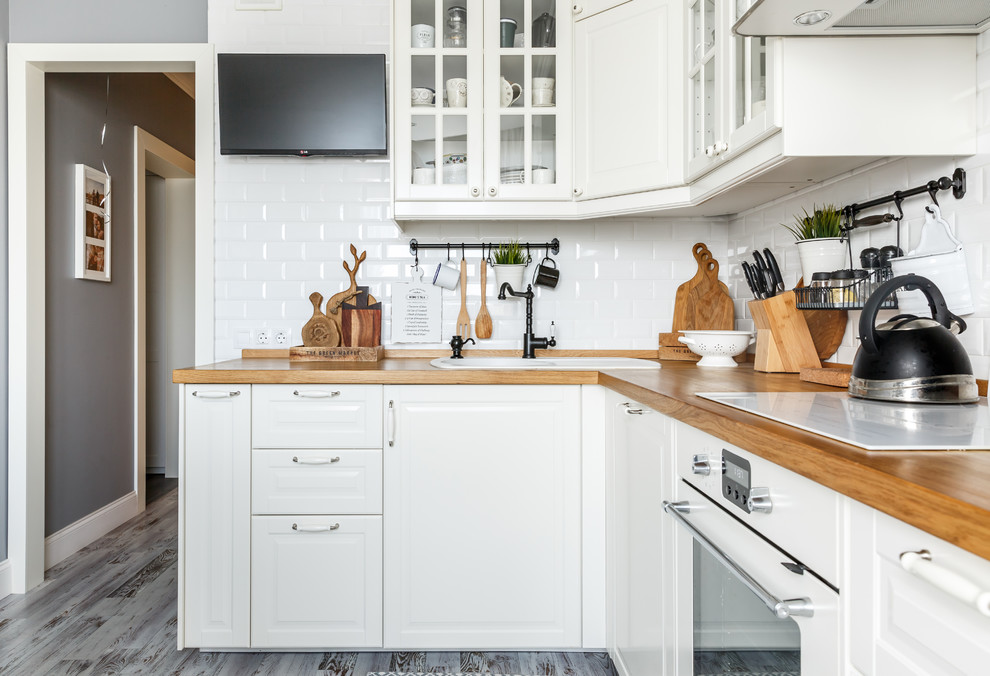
(940, 311)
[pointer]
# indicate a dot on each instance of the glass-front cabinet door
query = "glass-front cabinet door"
(527, 84)
(750, 83)
(485, 81)
(439, 99)
(703, 80)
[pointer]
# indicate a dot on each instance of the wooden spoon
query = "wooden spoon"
(463, 318)
(483, 322)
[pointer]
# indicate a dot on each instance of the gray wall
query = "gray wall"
(108, 21)
(89, 353)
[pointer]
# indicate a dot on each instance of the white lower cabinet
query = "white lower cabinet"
(639, 477)
(215, 517)
(316, 581)
(483, 517)
(907, 623)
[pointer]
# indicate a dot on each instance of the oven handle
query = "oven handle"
(782, 609)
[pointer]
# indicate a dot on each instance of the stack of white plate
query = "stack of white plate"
(517, 175)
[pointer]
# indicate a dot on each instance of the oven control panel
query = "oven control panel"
(736, 480)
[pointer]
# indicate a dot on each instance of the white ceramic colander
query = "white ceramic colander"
(717, 348)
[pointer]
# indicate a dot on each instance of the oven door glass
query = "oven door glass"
(742, 605)
(734, 632)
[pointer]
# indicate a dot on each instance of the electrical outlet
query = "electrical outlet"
(281, 336)
(261, 337)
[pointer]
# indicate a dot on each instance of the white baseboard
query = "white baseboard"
(75, 536)
(5, 581)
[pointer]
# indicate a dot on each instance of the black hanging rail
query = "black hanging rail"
(957, 184)
(415, 247)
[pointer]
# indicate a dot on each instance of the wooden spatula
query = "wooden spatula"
(463, 318)
(483, 322)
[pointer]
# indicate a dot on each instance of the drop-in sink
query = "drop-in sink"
(545, 363)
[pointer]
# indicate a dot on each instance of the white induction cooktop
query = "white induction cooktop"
(873, 425)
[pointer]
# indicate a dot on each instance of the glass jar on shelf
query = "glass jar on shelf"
(455, 30)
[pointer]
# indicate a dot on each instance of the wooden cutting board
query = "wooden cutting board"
(712, 304)
(361, 323)
(698, 287)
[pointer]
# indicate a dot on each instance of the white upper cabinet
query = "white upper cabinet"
(628, 98)
(479, 120)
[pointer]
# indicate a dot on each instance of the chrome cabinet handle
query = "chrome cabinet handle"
(629, 410)
(315, 394)
(391, 423)
(210, 394)
(316, 461)
(781, 608)
(759, 500)
(315, 529)
(920, 565)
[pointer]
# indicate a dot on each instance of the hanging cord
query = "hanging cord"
(103, 161)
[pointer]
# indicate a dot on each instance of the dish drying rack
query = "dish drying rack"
(853, 296)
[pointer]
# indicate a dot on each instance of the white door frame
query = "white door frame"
(150, 153)
(27, 65)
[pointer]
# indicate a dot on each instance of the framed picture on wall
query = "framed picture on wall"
(92, 224)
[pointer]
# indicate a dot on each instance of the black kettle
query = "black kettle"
(909, 358)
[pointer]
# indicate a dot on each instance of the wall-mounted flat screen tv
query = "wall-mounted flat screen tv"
(302, 104)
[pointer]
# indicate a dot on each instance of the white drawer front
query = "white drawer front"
(800, 506)
(317, 416)
(328, 481)
(316, 582)
(921, 628)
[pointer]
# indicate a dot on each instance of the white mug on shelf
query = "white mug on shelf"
(423, 35)
(424, 175)
(543, 176)
(457, 92)
(543, 91)
(510, 93)
(422, 96)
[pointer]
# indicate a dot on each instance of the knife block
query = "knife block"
(783, 341)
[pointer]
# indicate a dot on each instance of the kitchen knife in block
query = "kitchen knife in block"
(361, 323)
(783, 342)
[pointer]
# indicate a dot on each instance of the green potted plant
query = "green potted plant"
(510, 260)
(820, 243)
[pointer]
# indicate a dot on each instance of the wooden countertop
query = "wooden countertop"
(946, 493)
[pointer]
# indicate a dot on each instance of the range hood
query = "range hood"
(856, 17)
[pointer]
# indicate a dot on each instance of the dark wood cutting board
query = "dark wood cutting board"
(361, 322)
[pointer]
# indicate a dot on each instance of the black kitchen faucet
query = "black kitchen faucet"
(530, 342)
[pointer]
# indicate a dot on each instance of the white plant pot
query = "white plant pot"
(821, 255)
(513, 274)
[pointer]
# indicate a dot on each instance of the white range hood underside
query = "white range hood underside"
(874, 17)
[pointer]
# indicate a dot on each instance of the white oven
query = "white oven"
(756, 561)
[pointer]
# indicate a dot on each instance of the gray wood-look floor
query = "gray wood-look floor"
(111, 609)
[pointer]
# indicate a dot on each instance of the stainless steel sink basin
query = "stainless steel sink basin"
(545, 363)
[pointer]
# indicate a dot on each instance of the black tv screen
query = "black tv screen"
(302, 104)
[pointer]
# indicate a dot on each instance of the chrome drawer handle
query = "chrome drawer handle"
(315, 529)
(781, 608)
(920, 565)
(316, 394)
(216, 395)
(315, 461)
(635, 411)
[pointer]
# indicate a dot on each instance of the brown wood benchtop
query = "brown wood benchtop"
(946, 493)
